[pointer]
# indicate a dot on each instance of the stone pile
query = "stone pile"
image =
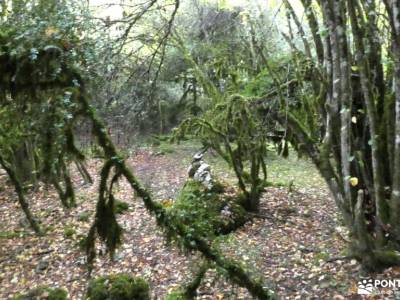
(200, 171)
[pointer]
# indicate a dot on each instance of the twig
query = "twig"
(44, 252)
(335, 258)
(261, 216)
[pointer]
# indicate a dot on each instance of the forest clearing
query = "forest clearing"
(199, 149)
(302, 221)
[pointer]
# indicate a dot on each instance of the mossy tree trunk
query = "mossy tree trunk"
(21, 197)
(109, 231)
(233, 129)
(393, 8)
(24, 163)
(357, 151)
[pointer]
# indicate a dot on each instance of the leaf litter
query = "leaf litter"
(295, 242)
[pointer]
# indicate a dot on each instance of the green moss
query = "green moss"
(49, 228)
(82, 242)
(84, 216)
(166, 148)
(154, 142)
(96, 152)
(118, 287)
(320, 256)
(69, 231)
(201, 210)
(197, 208)
(12, 234)
(43, 293)
(160, 138)
(239, 216)
(218, 187)
(259, 85)
(120, 206)
(176, 295)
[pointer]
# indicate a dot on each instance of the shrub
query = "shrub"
(82, 242)
(202, 210)
(118, 287)
(166, 148)
(84, 216)
(120, 206)
(69, 231)
(43, 293)
(176, 295)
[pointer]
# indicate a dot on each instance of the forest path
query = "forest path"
(289, 246)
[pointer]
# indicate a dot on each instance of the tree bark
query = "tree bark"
(345, 100)
(382, 212)
(314, 27)
(395, 196)
(21, 197)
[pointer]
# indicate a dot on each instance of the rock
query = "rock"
(203, 175)
(304, 249)
(204, 168)
(193, 168)
(198, 156)
(42, 265)
(200, 171)
(23, 222)
(118, 256)
(227, 211)
(81, 261)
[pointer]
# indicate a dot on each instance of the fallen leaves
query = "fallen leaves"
(289, 248)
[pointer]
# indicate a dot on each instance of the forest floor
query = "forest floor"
(290, 246)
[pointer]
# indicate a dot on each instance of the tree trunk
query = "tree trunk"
(21, 197)
(395, 196)
(382, 211)
(24, 163)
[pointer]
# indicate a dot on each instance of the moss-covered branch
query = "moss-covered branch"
(21, 197)
(235, 272)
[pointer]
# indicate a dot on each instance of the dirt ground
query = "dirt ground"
(294, 244)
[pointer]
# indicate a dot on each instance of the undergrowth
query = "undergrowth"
(207, 213)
